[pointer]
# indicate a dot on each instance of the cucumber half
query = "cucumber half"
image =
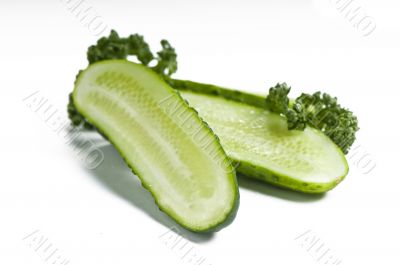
(174, 153)
(260, 143)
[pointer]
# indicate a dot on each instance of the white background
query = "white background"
(103, 216)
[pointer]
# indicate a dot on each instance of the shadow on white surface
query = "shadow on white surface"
(116, 176)
(269, 190)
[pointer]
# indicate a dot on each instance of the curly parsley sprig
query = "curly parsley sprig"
(318, 110)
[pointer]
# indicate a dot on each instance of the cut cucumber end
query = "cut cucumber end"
(174, 153)
(306, 161)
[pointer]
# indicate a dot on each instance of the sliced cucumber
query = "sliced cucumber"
(306, 161)
(174, 153)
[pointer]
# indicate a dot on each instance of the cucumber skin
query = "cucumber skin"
(283, 181)
(234, 208)
(208, 89)
(246, 168)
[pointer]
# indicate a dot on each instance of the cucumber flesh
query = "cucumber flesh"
(174, 153)
(306, 161)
